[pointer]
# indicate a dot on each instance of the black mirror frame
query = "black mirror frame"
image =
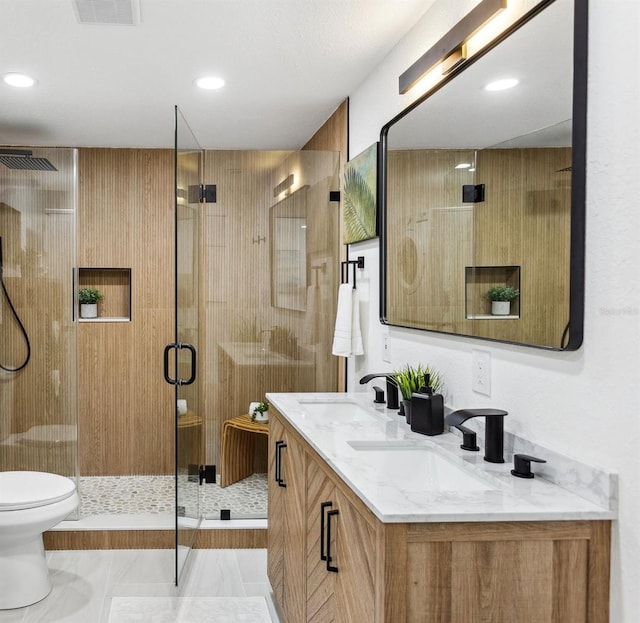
(575, 332)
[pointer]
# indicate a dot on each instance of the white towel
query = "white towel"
(356, 337)
(311, 319)
(347, 339)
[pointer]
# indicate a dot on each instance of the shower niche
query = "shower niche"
(115, 286)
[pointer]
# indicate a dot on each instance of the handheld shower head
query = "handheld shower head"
(3, 290)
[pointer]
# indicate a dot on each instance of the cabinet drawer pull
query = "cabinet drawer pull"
(323, 506)
(279, 446)
(330, 567)
(277, 470)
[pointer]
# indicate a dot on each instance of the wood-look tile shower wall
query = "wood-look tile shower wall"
(125, 220)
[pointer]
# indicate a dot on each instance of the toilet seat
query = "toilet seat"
(22, 490)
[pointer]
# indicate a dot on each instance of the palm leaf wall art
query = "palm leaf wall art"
(360, 188)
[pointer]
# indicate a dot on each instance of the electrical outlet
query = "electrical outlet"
(481, 372)
(386, 353)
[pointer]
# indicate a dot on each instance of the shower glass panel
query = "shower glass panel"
(38, 399)
(270, 279)
(188, 414)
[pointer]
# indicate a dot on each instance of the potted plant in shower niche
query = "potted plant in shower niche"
(501, 297)
(88, 298)
(411, 379)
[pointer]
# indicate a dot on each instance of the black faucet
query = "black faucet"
(493, 433)
(392, 388)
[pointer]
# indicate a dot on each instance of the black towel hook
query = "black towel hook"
(344, 269)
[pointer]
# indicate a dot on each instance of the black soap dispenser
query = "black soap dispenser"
(427, 411)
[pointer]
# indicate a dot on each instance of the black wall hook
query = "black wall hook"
(344, 269)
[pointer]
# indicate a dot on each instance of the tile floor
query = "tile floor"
(85, 584)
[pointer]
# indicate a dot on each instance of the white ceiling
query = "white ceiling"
(288, 64)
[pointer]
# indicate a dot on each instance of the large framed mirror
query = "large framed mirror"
(483, 190)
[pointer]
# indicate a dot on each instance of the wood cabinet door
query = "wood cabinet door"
(336, 529)
(293, 475)
(275, 515)
(320, 583)
(354, 555)
(287, 521)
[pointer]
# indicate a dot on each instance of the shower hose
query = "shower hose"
(15, 315)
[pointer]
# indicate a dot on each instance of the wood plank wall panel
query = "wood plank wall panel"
(109, 539)
(153, 539)
(126, 221)
(334, 136)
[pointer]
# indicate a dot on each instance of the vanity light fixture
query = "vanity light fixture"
(209, 83)
(463, 165)
(450, 50)
(15, 79)
(502, 84)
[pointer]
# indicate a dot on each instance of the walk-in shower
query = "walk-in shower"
(267, 267)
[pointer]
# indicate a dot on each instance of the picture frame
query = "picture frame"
(360, 205)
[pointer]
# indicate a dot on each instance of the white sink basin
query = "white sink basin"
(418, 467)
(339, 412)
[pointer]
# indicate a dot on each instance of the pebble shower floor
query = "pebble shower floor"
(133, 495)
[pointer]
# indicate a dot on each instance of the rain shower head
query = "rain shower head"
(23, 159)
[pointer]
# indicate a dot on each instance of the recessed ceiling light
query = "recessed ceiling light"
(18, 80)
(209, 83)
(463, 165)
(501, 85)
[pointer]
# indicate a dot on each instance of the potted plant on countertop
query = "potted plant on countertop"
(501, 297)
(411, 379)
(259, 411)
(89, 298)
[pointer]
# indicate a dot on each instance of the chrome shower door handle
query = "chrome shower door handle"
(179, 346)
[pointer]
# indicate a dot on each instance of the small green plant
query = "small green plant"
(502, 293)
(410, 379)
(260, 408)
(89, 296)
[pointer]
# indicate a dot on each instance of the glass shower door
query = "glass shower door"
(182, 370)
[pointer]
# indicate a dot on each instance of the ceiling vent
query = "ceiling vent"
(123, 12)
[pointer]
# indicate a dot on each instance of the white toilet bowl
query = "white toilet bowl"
(30, 503)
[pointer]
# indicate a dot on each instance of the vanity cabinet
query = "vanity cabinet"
(340, 553)
(431, 572)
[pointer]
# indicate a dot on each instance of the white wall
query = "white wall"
(584, 404)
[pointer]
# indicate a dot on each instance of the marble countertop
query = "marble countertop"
(403, 476)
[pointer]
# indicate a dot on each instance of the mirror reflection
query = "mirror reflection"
(477, 197)
(289, 251)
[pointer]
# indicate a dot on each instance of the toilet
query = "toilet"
(30, 504)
